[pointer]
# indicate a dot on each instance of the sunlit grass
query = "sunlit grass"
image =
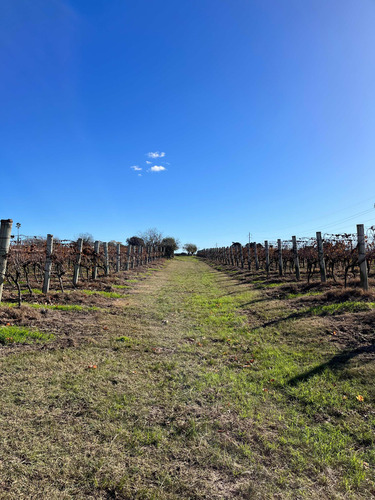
(21, 335)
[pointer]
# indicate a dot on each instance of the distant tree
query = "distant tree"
(88, 238)
(236, 244)
(135, 241)
(171, 245)
(190, 248)
(151, 236)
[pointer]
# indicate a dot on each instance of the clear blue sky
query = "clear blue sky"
(265, 110)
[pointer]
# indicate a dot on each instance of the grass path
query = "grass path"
(198, 388)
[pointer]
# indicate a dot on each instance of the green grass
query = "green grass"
(36, 291)
(65, 307)
(22, 335)
(341, 308)
(127, 341)
(57, 307)
(302, 294)
(271, 285)
(109, 295)
(289, 385)
(121, 286)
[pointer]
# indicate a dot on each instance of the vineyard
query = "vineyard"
(336, 257)
(127, 375)
(40, 264)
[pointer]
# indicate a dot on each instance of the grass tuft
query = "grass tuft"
(343, 307)
(21, 335)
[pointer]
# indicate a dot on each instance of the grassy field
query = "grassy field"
(190, 384)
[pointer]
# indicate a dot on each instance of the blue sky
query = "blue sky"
(262, 114)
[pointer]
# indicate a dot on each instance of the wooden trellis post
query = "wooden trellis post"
(128, 259)
(280, 250)
(78, 261)
(362, 256)
(296, 260)
(118, 257)
(96, 256)
(48, 264)
(132, 261)
(267, 251)
(106, 259)
(5, 233)
(256, 256)
(322, 264)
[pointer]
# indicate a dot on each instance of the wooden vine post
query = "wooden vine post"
(5, 233)
(118, 257)
(78, 261)
(48, 264)
(106, 260)
(96, 256)
(132, 260)
(256, 256)
(296, 260)
(267, 251)
(322, 264)
(362, 256)
(128, 258)
(280, 251)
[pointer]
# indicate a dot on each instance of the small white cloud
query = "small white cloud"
(139, 175)
(148, 162)
(156, 155)
(157, 168)
(136, 168)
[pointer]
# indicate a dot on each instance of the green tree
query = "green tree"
(190, 248)
(135, 241)
(171, 245)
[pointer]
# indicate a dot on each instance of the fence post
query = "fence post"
(296, 260)
(48, 265)
(128, 258)
(106, 259)
(96, 255)
(5, 230)
(132, 259)
(256, 256)
(322, 264)
(279, 247)
(362, 256)
(267, 251)
(78, 261)
(118, 257)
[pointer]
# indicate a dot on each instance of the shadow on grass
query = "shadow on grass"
(336, 363)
